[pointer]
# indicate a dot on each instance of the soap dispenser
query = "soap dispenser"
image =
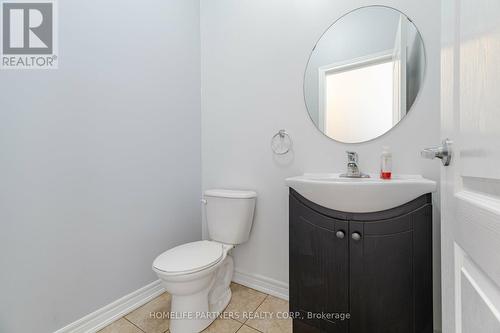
(386, 163)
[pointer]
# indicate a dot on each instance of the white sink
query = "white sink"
(360, 195)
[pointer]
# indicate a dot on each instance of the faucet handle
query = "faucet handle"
(352, 156)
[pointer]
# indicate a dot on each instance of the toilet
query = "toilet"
(198, 274)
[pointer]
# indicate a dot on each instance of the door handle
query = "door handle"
(340, 234)
(442, 152)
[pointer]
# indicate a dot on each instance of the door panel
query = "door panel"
(478, 230)
(391, 274)
(477, 297)
(471, 185)
(317, 257)
(381, 270)
(479, 102)
(477, 314)
(381, 280)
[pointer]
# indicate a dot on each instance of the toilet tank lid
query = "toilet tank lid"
(234, 194)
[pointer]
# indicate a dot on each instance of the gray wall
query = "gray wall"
(254, 53)
(99, 160)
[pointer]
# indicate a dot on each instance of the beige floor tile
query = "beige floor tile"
(243, 300)
(120, 326)
(268, 321)
(223, 326)
(247, 329)
(146, 317)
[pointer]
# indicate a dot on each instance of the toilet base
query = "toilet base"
(193, 313)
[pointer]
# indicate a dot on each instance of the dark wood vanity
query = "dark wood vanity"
(361, 272)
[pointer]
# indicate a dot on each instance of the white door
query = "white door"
(471, 184)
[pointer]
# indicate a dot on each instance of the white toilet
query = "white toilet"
(198, 274)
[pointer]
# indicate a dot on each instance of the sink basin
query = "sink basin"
(360, 195)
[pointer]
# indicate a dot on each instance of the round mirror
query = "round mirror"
(364, 74)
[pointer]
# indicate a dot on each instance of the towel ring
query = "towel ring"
(281, 143)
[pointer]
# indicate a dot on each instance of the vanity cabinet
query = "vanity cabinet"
(361, 272)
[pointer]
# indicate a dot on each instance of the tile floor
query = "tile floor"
(245, 301)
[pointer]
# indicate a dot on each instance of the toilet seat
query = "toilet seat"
(189, 258)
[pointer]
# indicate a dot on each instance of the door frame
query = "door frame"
(344, 66)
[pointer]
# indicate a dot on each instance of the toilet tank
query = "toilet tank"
(229, 215)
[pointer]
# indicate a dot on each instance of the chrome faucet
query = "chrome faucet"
(352, 167)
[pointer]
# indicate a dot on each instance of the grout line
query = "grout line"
(267, 296)
(242, 324)
(258, 306)
(134, 324)
(250, 328)
(239, 327)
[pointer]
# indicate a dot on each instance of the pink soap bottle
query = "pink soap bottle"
(386, 163)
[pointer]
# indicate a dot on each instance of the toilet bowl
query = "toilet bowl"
(198, 274)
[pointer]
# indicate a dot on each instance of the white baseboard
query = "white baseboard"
(263, 284)
(114, 311)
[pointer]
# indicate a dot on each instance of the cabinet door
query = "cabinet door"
(391, 274)
(318, 269)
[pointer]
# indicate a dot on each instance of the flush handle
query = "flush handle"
(356, 236)
(442, 152)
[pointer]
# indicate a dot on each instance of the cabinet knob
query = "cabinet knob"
(340, 234)
(356, 236)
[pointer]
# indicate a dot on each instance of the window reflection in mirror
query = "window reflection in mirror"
(364, 74)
